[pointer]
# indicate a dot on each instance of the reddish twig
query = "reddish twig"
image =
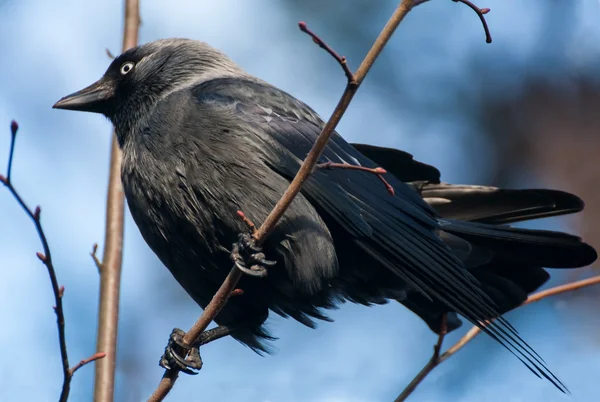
(83, 362)
(110, 274)
(378, 171)
(343, 62)
(247, 221)
(46, 258)
(95, 257)
(480, 13)
(224, 292)
(473, 332)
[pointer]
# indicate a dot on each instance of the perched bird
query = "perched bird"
(202, 139)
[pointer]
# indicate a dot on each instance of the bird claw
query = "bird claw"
(171, 359)
(245, 253)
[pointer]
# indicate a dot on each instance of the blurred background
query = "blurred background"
(523, 111)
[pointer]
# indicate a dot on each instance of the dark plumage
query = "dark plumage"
(202, 139)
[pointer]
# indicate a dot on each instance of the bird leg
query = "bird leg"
(191, 363)
(249, 258)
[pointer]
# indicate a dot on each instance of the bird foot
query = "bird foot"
(191, 364)
(245, 253)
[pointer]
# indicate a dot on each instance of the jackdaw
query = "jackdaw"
(202, 139)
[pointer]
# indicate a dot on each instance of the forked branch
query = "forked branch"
(343, 62)
(473, 332)
(46, 258)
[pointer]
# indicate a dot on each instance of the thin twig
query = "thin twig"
(83, 362)
(247, 221)
(473, 332)
(95, 257)
(110, 274)
(569, 287)
(109, 54)
(222, 295)
(378, 171)
(319, 145)
(343, 62)
(14, 127)
(434, 361)
(480, 13)
(46, 258)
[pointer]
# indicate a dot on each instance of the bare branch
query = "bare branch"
(110, 274)
(46, 258)
(473, 332)
(228, 286)
(569, 287)
(431, 364)
(216, 304)
(322, 44)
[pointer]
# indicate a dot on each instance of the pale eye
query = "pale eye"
(127, 67)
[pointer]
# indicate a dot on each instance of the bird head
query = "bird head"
(143, 75)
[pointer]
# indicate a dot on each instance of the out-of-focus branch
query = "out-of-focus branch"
(436, 359)
(481, 12)
(110, 268)
(46, 258)
(354, 81)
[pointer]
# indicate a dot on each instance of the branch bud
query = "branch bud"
(14, 126)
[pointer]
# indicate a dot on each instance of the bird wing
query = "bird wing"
(469, 202)
(397, 230)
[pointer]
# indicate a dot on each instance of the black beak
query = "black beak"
(95, 98)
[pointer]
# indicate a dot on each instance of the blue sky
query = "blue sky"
(50, 49)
